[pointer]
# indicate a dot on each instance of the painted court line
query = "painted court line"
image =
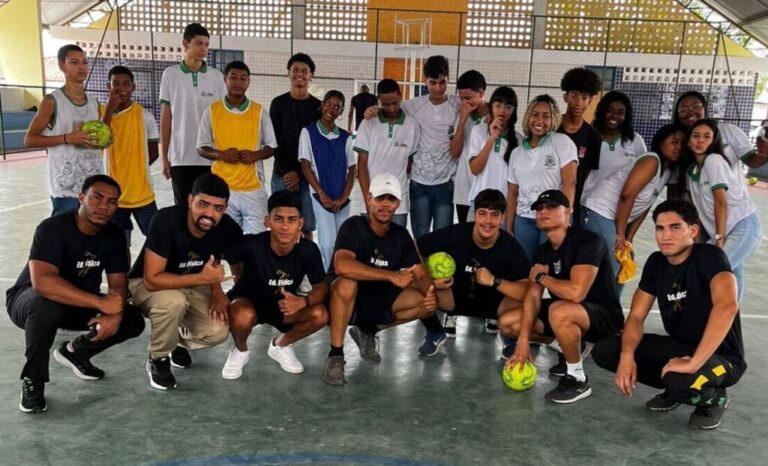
(21, 206)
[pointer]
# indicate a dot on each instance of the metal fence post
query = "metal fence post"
(376, 49)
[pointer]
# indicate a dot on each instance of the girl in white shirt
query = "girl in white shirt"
(717, 189)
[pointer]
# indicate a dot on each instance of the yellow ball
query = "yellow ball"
(101, 133)
(519, 377)
(752, 180)
(441, 265)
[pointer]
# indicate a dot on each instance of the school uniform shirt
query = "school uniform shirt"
(505, 259)
(133, 129)
(433, 163)
(588, 142)
(265, 272)
(289, 116)
(614, 157)
(389, 145)
(718, 173)
(582, 247)
(169, 237)
(69, 165)
(245, 127)
(393, 251)
(81, 259)
(535, 170)
(606, 199)
(189, 93)
(494, 175)
(685, 297)
(462, 183)
(736, 143)
(330, 162)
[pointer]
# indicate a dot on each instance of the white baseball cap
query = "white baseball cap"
(385, 183)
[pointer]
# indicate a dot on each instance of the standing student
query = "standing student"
(386, 143)
(581, 85)
(56, 126)
(133, 150)
(717, 189)
(545, 160)
(236, 134)
(357, 105)
(186, 90)
(471, 88)
(434, 165)
(290, 112)
(328, 164)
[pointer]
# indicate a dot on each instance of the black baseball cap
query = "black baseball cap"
(553, 198)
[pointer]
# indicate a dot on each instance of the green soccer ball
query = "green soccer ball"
(441, 265)
(100, 132)
(519, 380)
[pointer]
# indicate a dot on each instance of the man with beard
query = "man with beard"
(176, 279)
(378, 280)
(59, 288)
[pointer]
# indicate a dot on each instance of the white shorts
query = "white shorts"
(248, 209)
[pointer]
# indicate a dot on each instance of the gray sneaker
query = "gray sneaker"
(366, 343)
(662, 403)
(708, 417)
(333, 374)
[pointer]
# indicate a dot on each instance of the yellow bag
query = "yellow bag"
(627, 264)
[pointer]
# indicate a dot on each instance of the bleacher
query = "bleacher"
(14, 126)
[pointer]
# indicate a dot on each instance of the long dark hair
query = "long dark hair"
(506, 95)
(626, 129)
(716, 147)
(696, 94)
(658, 139)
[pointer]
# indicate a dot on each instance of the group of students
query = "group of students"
(413, 158)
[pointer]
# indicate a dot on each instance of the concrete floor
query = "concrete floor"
(449, 409)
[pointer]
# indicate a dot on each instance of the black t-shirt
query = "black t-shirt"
(393, 251)
(582, 247)
(288, 116)
(80, 258)
(505, 259)
(360, 102)
(588, 144)
(169, 237)
(264, 272)
(685, 298)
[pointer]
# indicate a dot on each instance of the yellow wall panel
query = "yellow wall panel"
(22, 55)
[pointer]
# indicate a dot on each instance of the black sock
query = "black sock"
(336, 351)
(432, 323)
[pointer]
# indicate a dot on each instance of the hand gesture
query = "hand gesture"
(230, 155)
(494, 129)
(484, 276)
(465, 109)
(430, 299)
(106, 326)
(371, 112)
(403, 278)
(213, 273)
(626, 376)
(111, 303)
(326, 200)
(537, 269)
(249, 156)
(290, 304)
(291, 181)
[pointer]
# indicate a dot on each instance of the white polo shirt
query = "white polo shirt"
(614, 157)
(717, 173)
(189, 93)
(389, 146)
(494, 175)
(462, 183)
(306, 152)
(537, 170)
(432, 163)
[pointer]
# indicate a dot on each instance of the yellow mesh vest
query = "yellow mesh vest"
(241, 131)
(127, 158)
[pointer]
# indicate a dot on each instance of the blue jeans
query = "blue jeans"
(606, 228)
(143, 216)
(528, 235)
(740, 243)
(304, 199)
(431, 205)
(328, 224)
(64, 204)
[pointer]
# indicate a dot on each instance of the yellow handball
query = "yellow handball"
(518, 379)
(100, 132)
(441, 265)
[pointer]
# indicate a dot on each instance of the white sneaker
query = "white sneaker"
(285, 356)
(236, 360)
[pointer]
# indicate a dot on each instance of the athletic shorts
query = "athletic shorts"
(375, 309)
(602, 322)
(486, 307)
(267, 311)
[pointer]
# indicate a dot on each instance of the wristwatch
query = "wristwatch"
(539, 277)
(718, 237)
(496, 282)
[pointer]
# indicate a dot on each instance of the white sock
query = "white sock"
(576, 371)
(555, 345)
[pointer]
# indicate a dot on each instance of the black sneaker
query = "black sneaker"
(560, 369)
(491, 326)
(662, 403)
(160, 375)
(79, 364)
(333, 373)
(569, 390)
(180, 358)
(32, 396)
(708, 417)
(449, 325)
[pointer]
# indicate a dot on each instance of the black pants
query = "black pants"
(704, 387)
(40, 318)
(462, 211)
(182, 177)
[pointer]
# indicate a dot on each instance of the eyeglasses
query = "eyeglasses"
(499, 106)
(690, 108)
